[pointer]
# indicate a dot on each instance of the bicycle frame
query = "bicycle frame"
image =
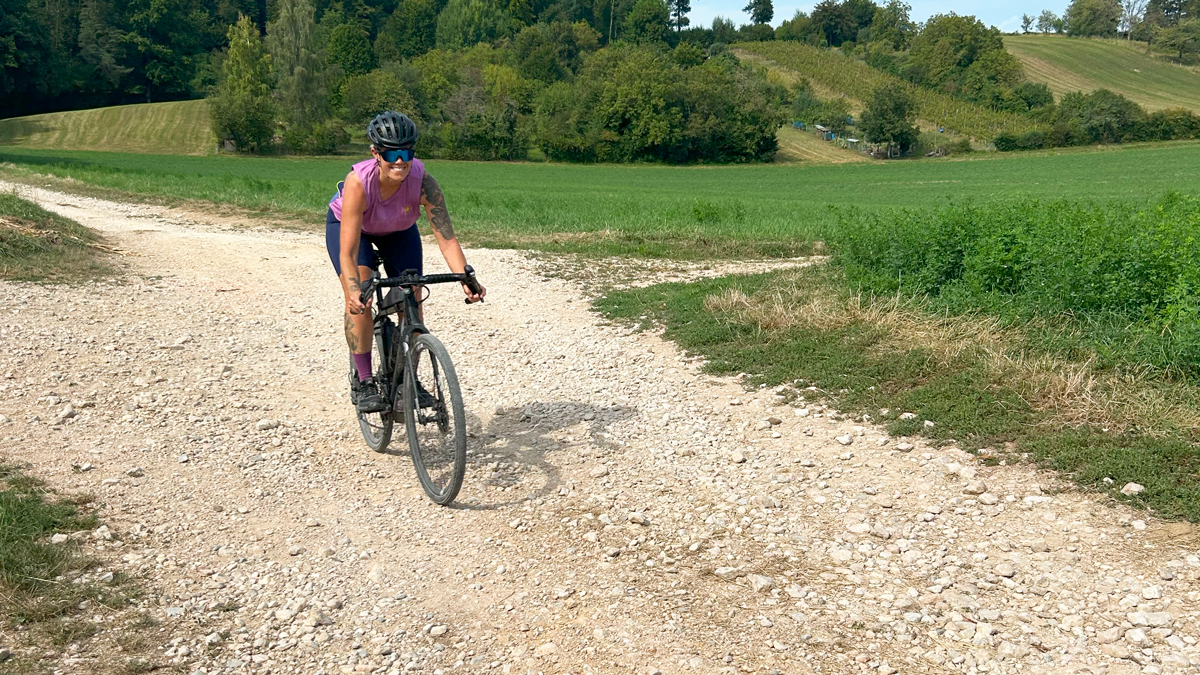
(408, 282)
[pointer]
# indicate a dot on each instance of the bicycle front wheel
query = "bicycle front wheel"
(434, 419)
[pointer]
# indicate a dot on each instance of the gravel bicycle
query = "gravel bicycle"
(417, 379)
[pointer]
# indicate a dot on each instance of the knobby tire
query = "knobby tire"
(437, 437)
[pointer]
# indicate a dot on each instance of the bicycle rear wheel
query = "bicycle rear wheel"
(377, 427)
(437, 432)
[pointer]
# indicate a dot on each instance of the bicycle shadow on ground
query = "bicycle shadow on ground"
(508, 459)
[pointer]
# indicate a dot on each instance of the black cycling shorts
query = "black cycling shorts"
(399, 250)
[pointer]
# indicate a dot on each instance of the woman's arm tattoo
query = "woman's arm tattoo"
(439, 218)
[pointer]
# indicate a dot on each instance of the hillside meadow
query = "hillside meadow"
(679, 212)
(176, 127)
(1069, 64)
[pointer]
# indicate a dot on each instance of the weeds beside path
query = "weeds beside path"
(36, 245)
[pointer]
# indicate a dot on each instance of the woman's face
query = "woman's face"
(396, 171)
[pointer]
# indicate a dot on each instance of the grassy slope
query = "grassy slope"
(830, 71)
(1077, 64)
(179, 127)
(677, 212)
(800, 146)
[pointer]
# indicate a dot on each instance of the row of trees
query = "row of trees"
(552, 86)
(1102, 117)
(70, 54)
(1173, 25)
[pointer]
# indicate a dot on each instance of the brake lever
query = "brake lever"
(368, 288)
(472, 283)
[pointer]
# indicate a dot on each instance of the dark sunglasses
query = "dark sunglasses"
(402, 154)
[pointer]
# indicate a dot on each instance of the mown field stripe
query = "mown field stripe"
(1069, 64)
(177, 127)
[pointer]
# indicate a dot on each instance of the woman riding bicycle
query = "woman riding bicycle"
(376, 210)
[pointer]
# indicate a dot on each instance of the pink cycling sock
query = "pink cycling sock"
(362, 363)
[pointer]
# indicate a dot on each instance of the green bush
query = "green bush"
(1126, 272)
(1006, 142)
(1032, 140)
(322, 138)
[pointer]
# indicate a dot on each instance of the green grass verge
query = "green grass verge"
(33, 572)
(674, 212)
(37, 245)
(177, 127)
(881, 357)
(44, 592)
(1069, 64)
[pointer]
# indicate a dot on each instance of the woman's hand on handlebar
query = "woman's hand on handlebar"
(471, 295)
(352, 290)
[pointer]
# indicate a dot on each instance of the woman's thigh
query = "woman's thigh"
(400, 250)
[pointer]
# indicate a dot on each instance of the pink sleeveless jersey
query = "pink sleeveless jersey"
(385, 216)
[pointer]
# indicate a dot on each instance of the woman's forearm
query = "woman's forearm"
(456, 260)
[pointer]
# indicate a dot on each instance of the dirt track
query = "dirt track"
(622, 511)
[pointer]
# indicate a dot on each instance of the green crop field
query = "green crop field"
(1069, 64)
(178, 127)
(831, 71)
(693, 212)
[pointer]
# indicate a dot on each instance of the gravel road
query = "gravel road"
(623, 512)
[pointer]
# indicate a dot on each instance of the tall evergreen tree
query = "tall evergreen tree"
(300, 87)
(24, 57)
(242, 110)
(760, 11)
(99, 49)
(679, 12)
(410, 31)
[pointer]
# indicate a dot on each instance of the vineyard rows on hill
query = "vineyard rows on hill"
(858, 80)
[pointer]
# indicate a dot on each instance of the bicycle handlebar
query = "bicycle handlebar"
(411, 278)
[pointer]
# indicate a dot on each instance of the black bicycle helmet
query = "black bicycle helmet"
(391, 130)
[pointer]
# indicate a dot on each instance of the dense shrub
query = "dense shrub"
(1006, 142)
(1102, 117)
(636, 104)
(1032, 140)
(1127, 269)
(322, 138)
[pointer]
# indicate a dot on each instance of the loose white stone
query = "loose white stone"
(1131, 489)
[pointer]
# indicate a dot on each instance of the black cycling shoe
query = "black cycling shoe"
(424, 398)
(365, 396)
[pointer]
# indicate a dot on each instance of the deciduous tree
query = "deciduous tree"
(647, 22)
(888, 117)
(1098, 18)
(465, 23)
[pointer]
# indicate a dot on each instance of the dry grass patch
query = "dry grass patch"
(1071, 393)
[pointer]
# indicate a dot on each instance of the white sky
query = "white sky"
(1004, 15)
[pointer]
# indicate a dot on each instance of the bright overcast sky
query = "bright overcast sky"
(1004, 15)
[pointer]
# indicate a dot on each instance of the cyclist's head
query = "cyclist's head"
(391, 130)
